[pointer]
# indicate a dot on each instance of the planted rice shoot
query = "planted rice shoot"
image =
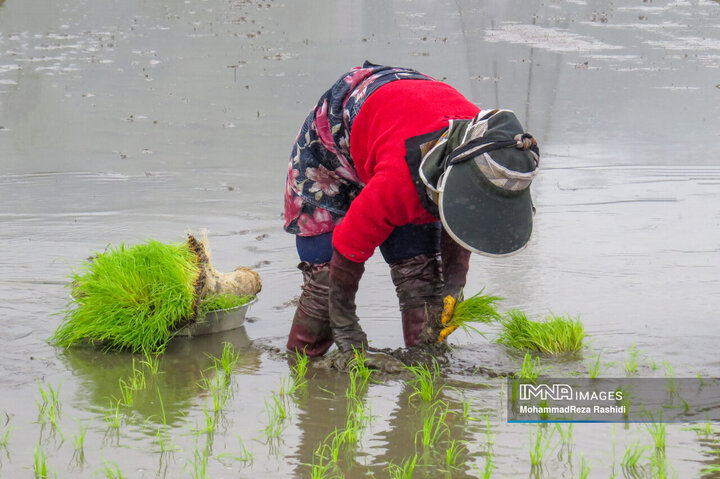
(49, 407)
(594, 368)
(584, 468)
(199, 464)
(540, 446)
(631, 363)
(79, 444)
(634, 455)
(151, 362)
(404, 470)
(657, 432)
(277, 411)
(553, 335)
(112, 416)
(5, 438)
(228, 360)
(300, 369)
(487, 471)
(530, 369)
(320, 467)
(40, 467)
(244, 456)
(453, 454)
(425, 382)
(479, 308)
(434, 426)
(112, 471)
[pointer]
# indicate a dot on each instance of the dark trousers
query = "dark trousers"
(403, 243)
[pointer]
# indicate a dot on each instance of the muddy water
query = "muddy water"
(121, 121)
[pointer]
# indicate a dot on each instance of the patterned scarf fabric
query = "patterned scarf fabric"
(322, 180)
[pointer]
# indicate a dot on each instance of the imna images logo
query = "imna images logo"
(555, 392)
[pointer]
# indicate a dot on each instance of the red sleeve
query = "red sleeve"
(380, 207)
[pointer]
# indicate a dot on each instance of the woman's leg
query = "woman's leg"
(413, 253)
(310, 331)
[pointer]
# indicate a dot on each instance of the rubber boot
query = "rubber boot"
(310, 330)
(344, 281)
(418, 283)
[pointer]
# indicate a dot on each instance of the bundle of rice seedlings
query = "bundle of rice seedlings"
(134, 298)
(479, 308)
(553, 335)
(221, 302)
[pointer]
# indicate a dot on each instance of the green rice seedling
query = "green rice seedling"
(553, 335)
(487, 471)
(706, 429)
(671, 384)
(474, 310)
(359, 367)
(112, 471)
(453, 454)
(137, 297)
(540, 446)
(79, 444)
(132, 297)
(488, 433)
(40, 467)
(434, 426)
(151, 362)
(227, 361)
(244, 456)
(425, 382)
(5, 438)
(218, 388)
(631, 363)
(710, 469)
(199, 464)
(222, 301)
(112, 416)
(404, 470)
(467, 414)
(320, 469)
(357, 419)
(657, 432)
(530, 369)
(566, 439)
(300, 368)
(584, 468)
(128, 388)
(634, 455)
(594, 368)
(277, 412)
(49, 405)
(659, 466)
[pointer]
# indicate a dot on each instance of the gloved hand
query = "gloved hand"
(455, 265)
(344, 280)
(448, 310)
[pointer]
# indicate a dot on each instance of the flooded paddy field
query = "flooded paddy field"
(123, 121)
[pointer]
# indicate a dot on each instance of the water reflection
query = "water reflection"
(177, 381)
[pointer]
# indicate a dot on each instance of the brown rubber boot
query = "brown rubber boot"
(418, 283)
(310, 330)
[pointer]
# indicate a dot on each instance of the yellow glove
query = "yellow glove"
(447, 314)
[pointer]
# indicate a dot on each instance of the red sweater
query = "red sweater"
(395, 112)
